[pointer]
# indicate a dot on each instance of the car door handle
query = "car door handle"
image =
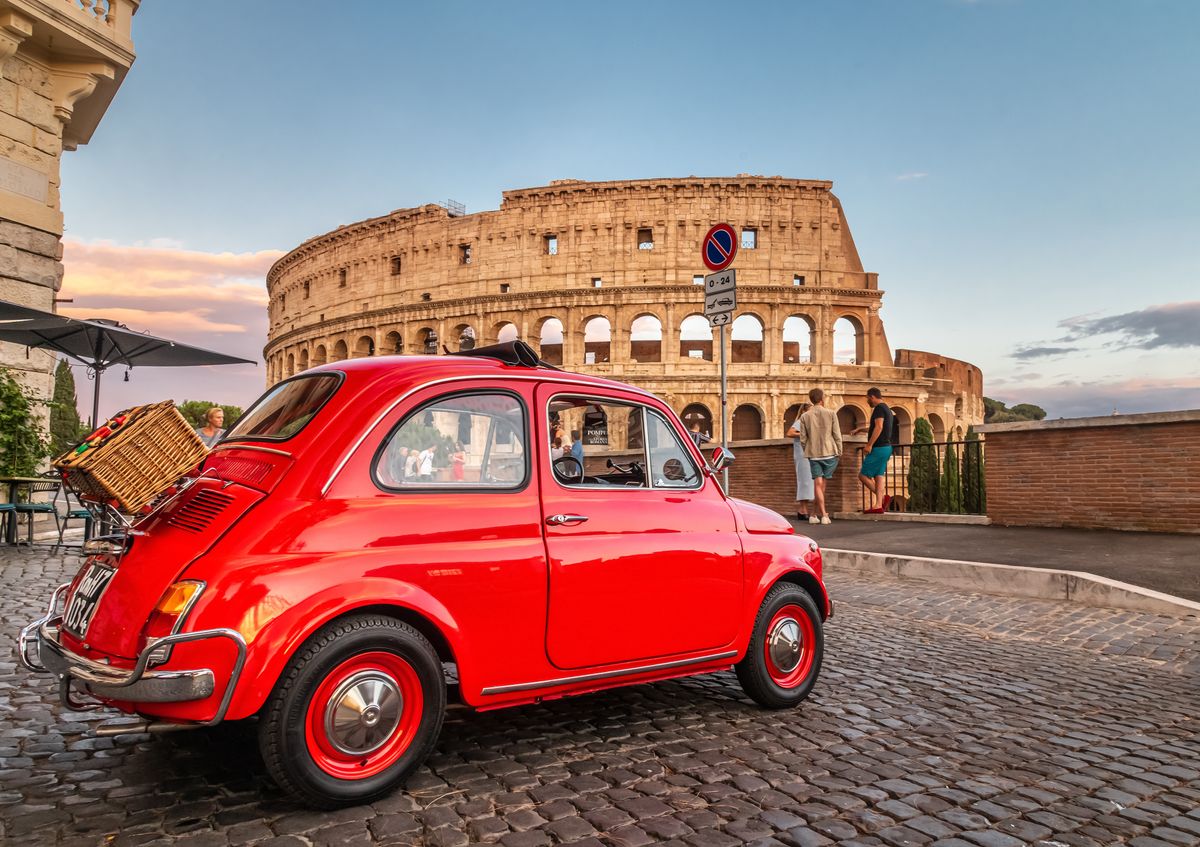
(565, 520)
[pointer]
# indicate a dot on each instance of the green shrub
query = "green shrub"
(922, 469)
(23, 441)
(973, 479)
(950, 496)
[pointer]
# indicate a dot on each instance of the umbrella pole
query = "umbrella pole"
(96, 400)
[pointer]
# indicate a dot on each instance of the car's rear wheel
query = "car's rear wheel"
(784, 657)
(357, 710)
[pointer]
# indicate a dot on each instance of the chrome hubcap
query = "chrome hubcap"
(363, 712)
(784, 645)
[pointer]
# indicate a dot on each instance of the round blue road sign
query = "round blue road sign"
(719, 247)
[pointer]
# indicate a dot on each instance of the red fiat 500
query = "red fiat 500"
(368, 523)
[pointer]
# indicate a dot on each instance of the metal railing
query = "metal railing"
(943, 477)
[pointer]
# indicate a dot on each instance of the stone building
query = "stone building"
(61, 63)
(605, 278)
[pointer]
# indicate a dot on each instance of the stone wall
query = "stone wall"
(1134, 472)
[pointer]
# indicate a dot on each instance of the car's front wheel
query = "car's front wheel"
(357, 710)
(786, 648)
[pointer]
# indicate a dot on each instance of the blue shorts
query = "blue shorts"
(875, 463)
(823, 468)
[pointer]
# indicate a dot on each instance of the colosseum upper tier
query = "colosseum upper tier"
(606, 278)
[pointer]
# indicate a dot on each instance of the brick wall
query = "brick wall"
(764, 473)
(1136, 472)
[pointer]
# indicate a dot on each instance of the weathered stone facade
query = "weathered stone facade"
(61, 62)
(556, 262)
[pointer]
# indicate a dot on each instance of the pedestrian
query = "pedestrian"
(879, 450)
(425, 464)
(212, 432)
(458, 462)
(804, 480)
(412, 465)
(821, 438)
(556, 449)
(397, 462)
(577, 447)
(698, 437)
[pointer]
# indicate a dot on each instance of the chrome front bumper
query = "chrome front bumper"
(40, 650)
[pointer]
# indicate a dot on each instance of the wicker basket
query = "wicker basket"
(152, 449)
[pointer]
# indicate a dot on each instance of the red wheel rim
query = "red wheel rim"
(364, 715)
(789, 647)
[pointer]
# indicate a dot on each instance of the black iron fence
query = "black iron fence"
(943, 477)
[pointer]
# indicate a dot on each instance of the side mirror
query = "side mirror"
(721, 458)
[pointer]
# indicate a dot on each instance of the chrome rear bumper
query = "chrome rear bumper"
(40, 650)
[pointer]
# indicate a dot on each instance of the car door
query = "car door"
(644, 557)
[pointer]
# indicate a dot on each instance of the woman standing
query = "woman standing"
(804, 480)
(458, 462)
(212, 432)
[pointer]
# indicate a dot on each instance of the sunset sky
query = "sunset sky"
(1023, 176)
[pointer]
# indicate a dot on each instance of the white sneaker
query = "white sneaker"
(814, 519)
(825, 520)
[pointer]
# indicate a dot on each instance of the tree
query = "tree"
(922, 469)
(950, 496)
(1028, 411)
(66, 429)
(973, 481)
(23, 442)
(997, 412)
(195, 410)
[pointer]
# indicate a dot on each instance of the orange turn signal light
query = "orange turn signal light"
(176, 599)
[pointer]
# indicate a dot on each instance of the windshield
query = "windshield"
(285, 409)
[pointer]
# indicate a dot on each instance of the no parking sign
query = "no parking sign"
(719, 247)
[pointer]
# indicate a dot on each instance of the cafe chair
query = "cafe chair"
(32, 507)
(79, 513)
(8, 512)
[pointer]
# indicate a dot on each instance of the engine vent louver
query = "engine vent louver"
(249, 471)
(196, 514)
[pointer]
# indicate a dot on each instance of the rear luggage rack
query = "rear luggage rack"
(510, 353)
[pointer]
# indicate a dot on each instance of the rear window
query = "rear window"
(285, 409)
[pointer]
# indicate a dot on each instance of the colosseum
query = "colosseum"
(606, 278)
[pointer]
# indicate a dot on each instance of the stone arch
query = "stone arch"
(848, 341)
(550, 340)
(937, 425)
(747, 339)
(645, 338)
(793, 412)
(464, 336)
(427, 341)
(364, 347)
(697, 413)
(904, 424)
(799, 332)
(695, 338)
(320, 355)
(506, 331)
(291, 365)
(597, 340)
(340, 351)
(851, 417)
(303, 364)
(393, 343)
(958, 407)
(747, 423)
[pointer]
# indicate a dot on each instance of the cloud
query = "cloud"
(911, 175)
(1169, 325)
(1029, 352)
(212, 300)
(1080, 399)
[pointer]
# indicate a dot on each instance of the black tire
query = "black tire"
(349, 650)
(754, 672)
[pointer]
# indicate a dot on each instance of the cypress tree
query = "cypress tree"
(974, 482)
(922, 469)
(950, 496)
(23, 442)
(65, 426)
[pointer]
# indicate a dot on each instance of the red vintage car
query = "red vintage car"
(372, 528)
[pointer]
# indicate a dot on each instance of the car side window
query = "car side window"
(671, 465)
(471, 440)
(595, 442)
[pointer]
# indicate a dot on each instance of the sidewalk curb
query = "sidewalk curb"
(1015, 581)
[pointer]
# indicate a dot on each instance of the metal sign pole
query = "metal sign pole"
(724, 414)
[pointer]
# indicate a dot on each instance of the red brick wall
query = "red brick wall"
(1141, 476)
(763, 473)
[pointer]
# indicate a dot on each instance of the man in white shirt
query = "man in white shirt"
(426, 464)
(410, 466)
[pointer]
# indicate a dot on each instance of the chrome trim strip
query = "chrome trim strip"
(237, 445)
(587, 677)
(465, 378)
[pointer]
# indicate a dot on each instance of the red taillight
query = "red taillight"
(168, 615)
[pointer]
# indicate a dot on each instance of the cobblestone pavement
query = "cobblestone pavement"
(940, 718)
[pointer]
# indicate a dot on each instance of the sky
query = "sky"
(1022, 176)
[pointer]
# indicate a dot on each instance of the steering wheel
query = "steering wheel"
(633, 468)
(568, 469)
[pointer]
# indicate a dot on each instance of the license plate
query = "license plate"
(82, 604)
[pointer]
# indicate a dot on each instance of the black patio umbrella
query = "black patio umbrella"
(99, 344)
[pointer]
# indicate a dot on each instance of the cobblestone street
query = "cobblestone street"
(940, 718)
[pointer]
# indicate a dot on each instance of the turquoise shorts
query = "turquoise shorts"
(875, 463)
(823, 468)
